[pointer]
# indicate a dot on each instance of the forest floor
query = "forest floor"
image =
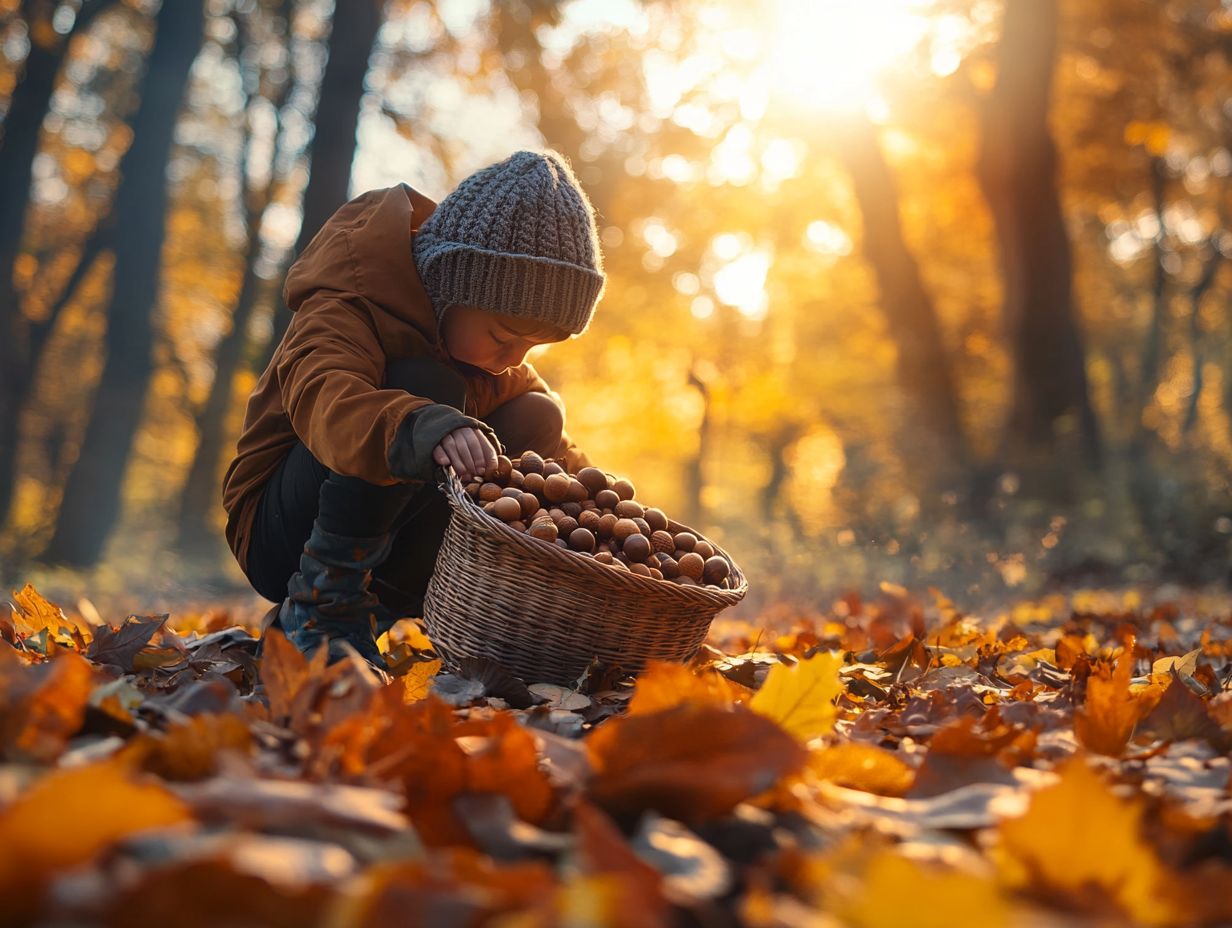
(896, 761)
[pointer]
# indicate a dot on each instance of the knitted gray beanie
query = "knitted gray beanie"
(516, 237)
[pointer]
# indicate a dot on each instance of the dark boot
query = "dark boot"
(329, 600)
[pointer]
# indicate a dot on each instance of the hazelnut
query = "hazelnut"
(685, 580)
(671, 570)
(490, 491)
(624, 528)
(662, 541)
(488, 507)
(544, 529)
(556, 488)
(533, 483)
(656, 573)
(624, 489)
(540, 513)
(685, 541)
(628, 509)
(577, 490)
(566, 526)
(571, 509)
(581, 540)
(556, 514)
(512, 492)
(516, 479)
(518, 525)
(551, 469)
(530, 504)
(607, 525)
(640, 569)
(561, 543)
(620, 565)
(507, 509)
(472, 488)
(643, 526)
(604, 557)
(593, 479)
(704, 548)
(606, 499)
(588, 504)
(530, 463)
(716, 569)
(637, 547)
(692, 565)
(504, 466)
(657, 519)
(589, 520)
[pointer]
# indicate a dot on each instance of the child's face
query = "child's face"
(494, 342)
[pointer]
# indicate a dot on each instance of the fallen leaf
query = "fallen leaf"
(1107, 717)
(417, 681)
(800, 699)
(858, 765)
(663, 685)
(119, 645)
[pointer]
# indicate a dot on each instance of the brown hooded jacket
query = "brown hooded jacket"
(356, 301)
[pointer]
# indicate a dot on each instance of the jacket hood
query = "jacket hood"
(365, 248)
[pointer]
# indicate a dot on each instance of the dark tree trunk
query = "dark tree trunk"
(1152, 349)
(1210, 268)
(333, 142)
(91, 502)
(923, 368)
(1017, 173)
(28, 106)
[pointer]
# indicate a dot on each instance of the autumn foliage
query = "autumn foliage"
(890, 763)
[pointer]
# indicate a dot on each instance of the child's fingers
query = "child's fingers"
(439, 455)
(459, 453)
(489, 453)
(481, 451)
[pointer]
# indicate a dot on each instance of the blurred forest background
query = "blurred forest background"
(902, 291)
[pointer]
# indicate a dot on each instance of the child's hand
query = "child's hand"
(468, 450)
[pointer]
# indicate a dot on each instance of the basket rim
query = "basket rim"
(463, 506)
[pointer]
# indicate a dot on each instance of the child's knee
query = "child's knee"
(530, 422)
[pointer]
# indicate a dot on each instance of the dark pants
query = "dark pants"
(303, 488)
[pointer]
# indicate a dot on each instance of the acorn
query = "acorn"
(504, 467)
(507, 509)
(625, 528)
(692, 565)
(530, 463)
(607, 525)
(716, 569)
(556, 488)
(637, 547)
(704, 548)
(624, 489)
(657, 519)
(606, 499)
(544, 529)
(581, 540)
(489, 492)
(593, 479)
(533, 483)
(530, 504)
(662, 541)
(628, 509)
(685, 541)
(667, 564)
(551, 468)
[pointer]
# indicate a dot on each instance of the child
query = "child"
(406, 348)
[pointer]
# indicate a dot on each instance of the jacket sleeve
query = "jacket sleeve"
(330, 375)
(525, 379)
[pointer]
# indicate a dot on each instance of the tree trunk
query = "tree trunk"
(923, 368)
(28, 106)
(91, 502)
(1017, 173)
(1210, 268)
(333, 142)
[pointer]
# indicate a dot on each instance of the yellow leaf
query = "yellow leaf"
(800, 698)
(1110, 712)
(899, 891)
(858, 765)
(417, 682)
(1080, 841)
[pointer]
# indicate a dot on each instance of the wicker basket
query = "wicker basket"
(544, 613)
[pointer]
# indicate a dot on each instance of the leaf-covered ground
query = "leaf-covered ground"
(897, 762)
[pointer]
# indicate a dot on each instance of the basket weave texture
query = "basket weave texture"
(545, 613)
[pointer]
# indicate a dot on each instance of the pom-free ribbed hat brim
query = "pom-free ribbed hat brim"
(530, 286)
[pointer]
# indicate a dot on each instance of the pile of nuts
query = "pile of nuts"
(596, 516)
